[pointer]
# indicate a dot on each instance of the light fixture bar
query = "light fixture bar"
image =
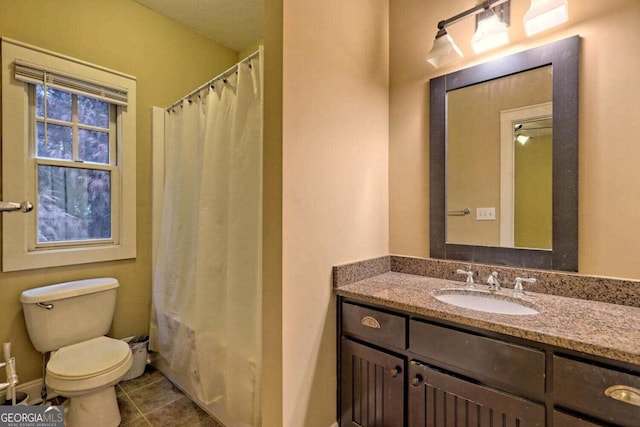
(479, 8)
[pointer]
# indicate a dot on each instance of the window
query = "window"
(69, 148)
(75, 158)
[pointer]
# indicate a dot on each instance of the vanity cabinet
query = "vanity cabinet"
(398, 369)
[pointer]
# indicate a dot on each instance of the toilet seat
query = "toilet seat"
(96, 363)
(88, 358)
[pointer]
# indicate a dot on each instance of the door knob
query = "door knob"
(417, 380)
(395, 371)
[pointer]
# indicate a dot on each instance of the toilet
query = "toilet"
(70, 320)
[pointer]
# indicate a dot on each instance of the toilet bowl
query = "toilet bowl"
(70, 321)
(87, 373)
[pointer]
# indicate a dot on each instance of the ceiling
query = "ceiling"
(235, 24)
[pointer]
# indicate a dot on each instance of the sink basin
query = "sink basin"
(486, 301)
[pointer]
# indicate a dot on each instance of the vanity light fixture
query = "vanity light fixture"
(545, 14)
(444, 50)
(523, 139)
(491, 31)
(492, 21)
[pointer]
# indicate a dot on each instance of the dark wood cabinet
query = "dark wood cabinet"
(437, 399)
(401, 370)
(515, 368)
(601, 392)
(565, 420)
(373, 384)
(374, 326)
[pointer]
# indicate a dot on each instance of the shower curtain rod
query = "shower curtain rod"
(220, 76)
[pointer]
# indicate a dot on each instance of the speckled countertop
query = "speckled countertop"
(598, 328)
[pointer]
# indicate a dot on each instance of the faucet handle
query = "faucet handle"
(518, 289)
(470, 283)
(493, 282)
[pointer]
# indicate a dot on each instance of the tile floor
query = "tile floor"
(151, 400)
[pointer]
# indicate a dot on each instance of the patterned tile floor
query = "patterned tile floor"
(151, 400)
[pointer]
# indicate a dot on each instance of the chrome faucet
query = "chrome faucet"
(470, 283)
(493, 282)
(518, 290)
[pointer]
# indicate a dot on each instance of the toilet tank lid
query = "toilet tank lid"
(67, 290)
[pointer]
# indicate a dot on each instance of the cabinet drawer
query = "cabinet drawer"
(374, 325)
(508, 366)
(581, 386)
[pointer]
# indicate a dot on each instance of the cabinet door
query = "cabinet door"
(372, 387)
(437, 399)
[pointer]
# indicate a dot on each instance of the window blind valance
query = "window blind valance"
(36, 74)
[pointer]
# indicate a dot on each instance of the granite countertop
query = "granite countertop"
(598, 328)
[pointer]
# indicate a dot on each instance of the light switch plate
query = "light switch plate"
(485, 214)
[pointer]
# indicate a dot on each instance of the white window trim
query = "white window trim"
(16, 170)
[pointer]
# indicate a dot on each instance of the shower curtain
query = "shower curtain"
(207, 278)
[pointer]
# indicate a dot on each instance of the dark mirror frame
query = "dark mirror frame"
(563, 56)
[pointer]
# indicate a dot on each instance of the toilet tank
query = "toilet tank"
(68, 313)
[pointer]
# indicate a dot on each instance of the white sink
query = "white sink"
(486, 301)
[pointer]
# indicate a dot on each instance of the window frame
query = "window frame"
(19, 166)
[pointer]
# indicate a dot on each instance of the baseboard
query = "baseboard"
(33, 389)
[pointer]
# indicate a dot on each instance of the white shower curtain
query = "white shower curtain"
(207, 278)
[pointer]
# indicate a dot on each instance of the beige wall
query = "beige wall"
(609, 233)
(168, 61)
(272, 304)
(335, 191)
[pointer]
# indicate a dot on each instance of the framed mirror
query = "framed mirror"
(504, 160)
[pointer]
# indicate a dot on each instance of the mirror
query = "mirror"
(504, 199)
(504, 160)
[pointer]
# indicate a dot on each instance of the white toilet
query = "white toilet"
(70, 321)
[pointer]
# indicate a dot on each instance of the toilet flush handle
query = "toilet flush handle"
(45, 305)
